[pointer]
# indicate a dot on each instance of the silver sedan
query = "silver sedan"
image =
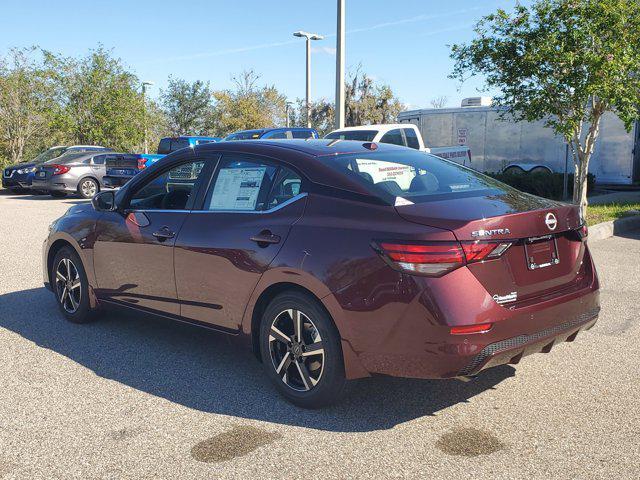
(73, 173)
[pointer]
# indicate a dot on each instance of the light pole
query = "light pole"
(340, 66)
(287, 108)
(144, 113)
(309, 37)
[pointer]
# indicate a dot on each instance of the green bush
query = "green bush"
(547, 185)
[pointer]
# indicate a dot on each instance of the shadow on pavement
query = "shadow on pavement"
(206, 371)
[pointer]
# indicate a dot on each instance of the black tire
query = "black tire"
(81, 311)
(57, 194)
(318, 327)
(88, 188)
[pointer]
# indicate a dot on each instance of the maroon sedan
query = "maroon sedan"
(332, 260)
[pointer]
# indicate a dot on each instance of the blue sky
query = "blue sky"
(402, 43)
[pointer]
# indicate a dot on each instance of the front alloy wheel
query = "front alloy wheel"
(68, 285)
(296, 350)
(71, 287)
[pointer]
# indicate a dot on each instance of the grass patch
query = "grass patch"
(604, 213)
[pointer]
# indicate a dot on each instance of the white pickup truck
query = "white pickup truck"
(403, 134)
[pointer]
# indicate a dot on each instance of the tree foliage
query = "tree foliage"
(187, 106)
(247, 106)
(101, 100)
(365, 103)
(565, 62)
(26, 100)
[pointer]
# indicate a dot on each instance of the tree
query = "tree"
(247, 106)
(26, 104)
(439, 102)
(366, 103)
(101, 100)
(565, 62)
(187, 106)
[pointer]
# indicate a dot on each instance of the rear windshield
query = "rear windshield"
(358, 135)
(415, 176)
(70, 157)
(49, 154)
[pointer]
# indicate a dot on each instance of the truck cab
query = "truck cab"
(403, 134)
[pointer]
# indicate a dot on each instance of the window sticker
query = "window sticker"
(237, 188)
(382, 171)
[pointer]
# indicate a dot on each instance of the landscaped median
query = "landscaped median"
(612, 219)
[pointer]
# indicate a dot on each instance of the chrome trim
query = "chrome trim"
(274, 209)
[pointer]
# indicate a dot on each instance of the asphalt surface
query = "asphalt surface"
(131, 397)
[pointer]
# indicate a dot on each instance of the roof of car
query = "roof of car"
(312, 147)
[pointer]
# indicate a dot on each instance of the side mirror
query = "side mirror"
(104, 201)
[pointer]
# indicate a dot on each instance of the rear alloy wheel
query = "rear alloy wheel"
(71, 287)
(301, 351)
(88, 188)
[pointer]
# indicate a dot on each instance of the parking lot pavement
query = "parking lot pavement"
(131, 397)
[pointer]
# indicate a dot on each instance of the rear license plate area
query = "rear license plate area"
(541, 252)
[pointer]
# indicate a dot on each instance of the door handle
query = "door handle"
(163, 234)
(265, 238)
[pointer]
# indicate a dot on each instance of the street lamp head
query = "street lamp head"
(145, 84)
(307, 35)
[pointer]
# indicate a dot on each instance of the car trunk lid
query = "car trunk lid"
(546, 252)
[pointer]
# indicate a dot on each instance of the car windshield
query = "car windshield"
(358, 135)
(49, 154)
(414, 176)
(248, 135)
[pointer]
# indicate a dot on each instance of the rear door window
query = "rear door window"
(277, 134)
(412, 138)
(393, 137)
(302, 134)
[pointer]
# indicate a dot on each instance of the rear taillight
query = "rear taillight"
(60, 169)
(434, 259)
(142, 163)
(479, 251)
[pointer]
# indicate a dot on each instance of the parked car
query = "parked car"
(405, 135)
(333, 260)
(273, 134)
(80, 173)
(121, 170)
(19, 177)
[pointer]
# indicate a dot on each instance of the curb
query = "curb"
(601, 231)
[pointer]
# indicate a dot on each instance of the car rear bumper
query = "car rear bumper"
(58, 185)
(411, 336)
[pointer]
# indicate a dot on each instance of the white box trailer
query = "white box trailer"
(497, 143)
